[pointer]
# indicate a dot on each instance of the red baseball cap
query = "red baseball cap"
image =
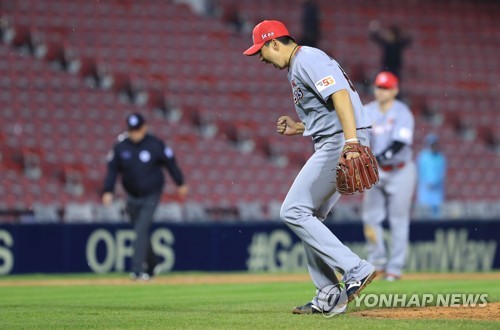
(386, 79)
(265, 31)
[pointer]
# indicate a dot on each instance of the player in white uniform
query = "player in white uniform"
(331, 113)
(391, 198)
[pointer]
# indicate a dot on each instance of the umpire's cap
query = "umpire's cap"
(135, 121)
(265, 31)
(386, 79)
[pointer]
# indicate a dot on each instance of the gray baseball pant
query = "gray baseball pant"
(309, 200)
(391, 198)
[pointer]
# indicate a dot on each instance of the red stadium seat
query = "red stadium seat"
(154, 46)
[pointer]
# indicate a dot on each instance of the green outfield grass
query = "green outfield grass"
(156, 305)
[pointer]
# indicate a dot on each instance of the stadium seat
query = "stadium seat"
(169, 212)
(75, 212)
(46, 213)
(154, 46)
(112, 213)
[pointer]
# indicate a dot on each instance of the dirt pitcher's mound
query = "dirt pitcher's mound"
(490, 312)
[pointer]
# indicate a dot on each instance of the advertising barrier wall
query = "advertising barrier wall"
(447, 246)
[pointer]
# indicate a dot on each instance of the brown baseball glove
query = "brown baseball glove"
(356, 174)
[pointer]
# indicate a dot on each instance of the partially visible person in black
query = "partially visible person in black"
(311, 29)
(393, 42)
(140, 157)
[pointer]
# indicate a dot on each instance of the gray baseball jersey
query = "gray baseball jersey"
(314, 77)
(397, 124)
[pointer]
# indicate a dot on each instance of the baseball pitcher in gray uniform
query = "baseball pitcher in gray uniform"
(331, 113)
(391, 198)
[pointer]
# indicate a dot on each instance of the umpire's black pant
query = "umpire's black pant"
(141, 211)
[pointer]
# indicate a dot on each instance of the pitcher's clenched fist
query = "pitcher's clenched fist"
(288, 126)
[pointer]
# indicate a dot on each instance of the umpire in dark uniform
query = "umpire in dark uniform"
(140, 157)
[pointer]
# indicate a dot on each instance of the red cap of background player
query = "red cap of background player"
(265, 31)
(386, 79)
